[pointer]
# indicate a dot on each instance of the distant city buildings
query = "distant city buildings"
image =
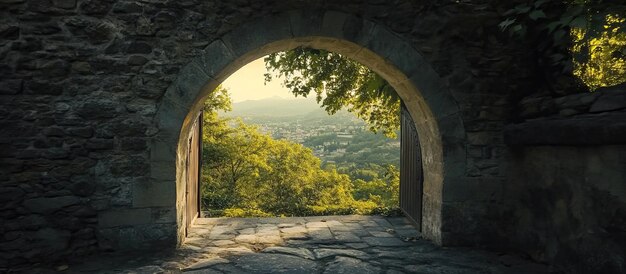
(329, 142)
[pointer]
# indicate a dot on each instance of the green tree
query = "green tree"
(586, 38)
(247, 173)
(337, 83)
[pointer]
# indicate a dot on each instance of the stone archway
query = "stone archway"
(436, 113)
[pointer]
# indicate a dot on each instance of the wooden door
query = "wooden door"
(193, 165)
(411, 176)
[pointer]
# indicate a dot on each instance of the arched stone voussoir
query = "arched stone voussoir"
(331, 24)
(258, 33)
(215, 58)
(169, 119)
(397, 51)
(435, 93)
(191, 82)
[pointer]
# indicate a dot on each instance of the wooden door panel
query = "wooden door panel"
(193, 165)
(411, 176)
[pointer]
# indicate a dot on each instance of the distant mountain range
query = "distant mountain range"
(276, 107)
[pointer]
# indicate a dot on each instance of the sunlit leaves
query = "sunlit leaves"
(586, 37)
(598, 58)
(338, 83)
(247, 173)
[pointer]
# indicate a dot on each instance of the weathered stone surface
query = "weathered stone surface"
(11, 86)
(49, 205)
(585, 130)
(98, 108)
(94, 7)
(139, 47)
(300, 252)
(350, 265)
(266, 262)
(206, 263)
(322, 253)
(555, 182)
(124, 217)
(66, 64)
(386, 241)
(65, 4)
(610, 102)
(57, 240)
(56, 68)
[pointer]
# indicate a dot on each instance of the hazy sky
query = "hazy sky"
(248, 84)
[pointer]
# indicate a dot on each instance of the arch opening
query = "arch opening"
(434, 112)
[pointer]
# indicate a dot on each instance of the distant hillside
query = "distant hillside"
(276, 107)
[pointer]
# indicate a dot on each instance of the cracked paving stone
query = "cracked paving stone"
(249, 239)
(246, 231)
(206, 263)
(320, 233)
(223, 243)
(322, 253)
(438, 269)
(300, 252)
(237, 250)
(275, 263)
(346, 237)
(349, 248)
(296, 236)
(316, 224)
(349, 266)
(381, 234)
(376, 241)
(294, 229)
(357, 245)
(269, 240)
(149, 269)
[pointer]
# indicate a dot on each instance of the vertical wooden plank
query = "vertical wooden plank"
(411, 177)
(193, 165)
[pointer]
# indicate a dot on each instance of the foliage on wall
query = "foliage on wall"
(583, 37)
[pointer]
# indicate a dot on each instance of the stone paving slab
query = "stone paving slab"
(320, 244)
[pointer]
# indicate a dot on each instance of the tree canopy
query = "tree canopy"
(586, 38)
(247, 173)
(338, 82)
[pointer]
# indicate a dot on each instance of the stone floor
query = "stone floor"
(330, 244)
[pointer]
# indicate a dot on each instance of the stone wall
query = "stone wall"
(82, 81)
(567, 180)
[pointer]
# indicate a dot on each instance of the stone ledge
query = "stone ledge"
(589, 129)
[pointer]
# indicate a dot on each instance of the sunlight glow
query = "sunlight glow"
(247, 83)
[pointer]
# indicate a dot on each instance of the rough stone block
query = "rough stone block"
(191, 82)
(257, 34)
(305, 23)
(13, 86)
(124, 217)
(65, 4)
(215, 58)
(165, 215)
(609, 102)
(154, 193)
(472, 189)
(163, 170)
(49, 205)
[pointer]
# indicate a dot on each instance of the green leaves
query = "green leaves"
(246, 173)
(506, 23)
(537, 14)
(578, 22)
(338, 83)
(579, 37)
